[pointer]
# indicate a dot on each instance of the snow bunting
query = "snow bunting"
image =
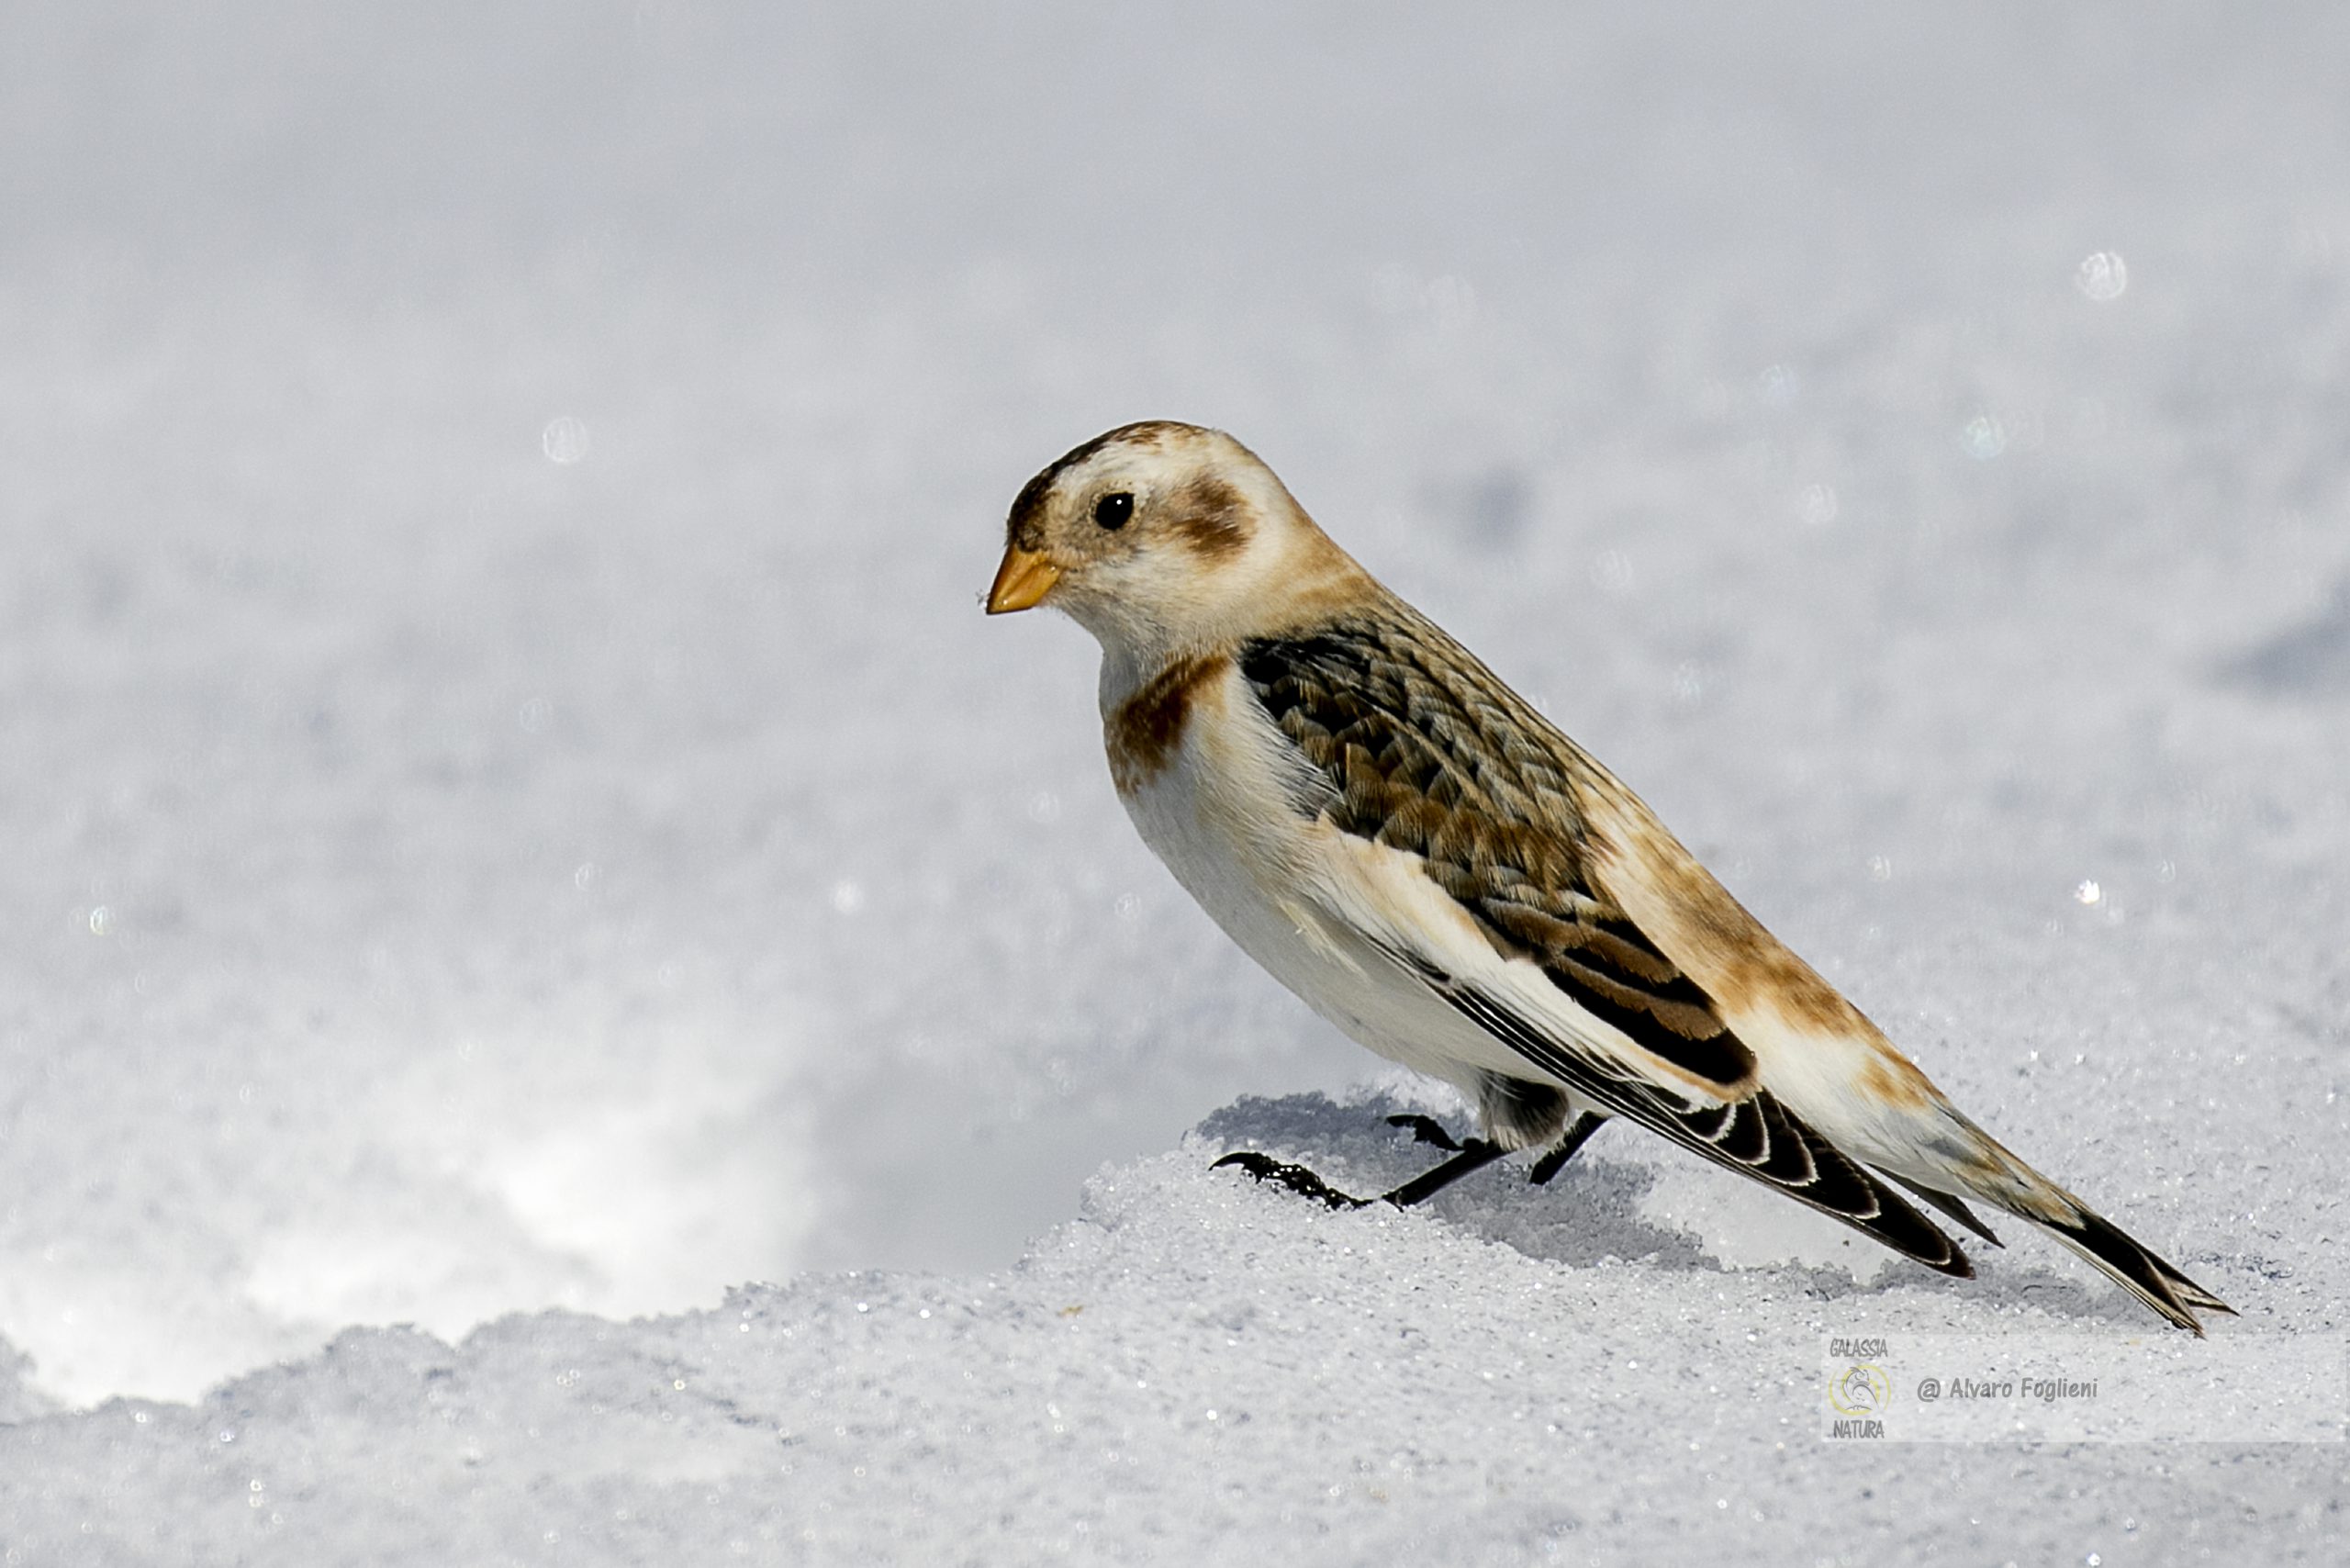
(1404, 842)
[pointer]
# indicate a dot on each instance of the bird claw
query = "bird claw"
(1296, 1178)
(1426, 1129)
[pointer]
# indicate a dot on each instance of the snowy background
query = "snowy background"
(512, 814)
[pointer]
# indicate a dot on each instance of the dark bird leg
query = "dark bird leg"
(1474, 1155)
(1558, 1153)
(1426, 1129)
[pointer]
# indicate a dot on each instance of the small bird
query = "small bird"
(1404, 842)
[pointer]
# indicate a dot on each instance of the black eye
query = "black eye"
(1112, 509)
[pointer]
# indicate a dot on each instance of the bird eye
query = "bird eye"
(1112, 509)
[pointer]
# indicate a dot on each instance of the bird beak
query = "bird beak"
(1025, 578)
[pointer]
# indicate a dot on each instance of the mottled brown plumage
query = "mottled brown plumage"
(1415, 745)
(1403, 840)
(1419, 747)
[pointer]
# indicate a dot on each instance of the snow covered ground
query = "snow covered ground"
(513, 816)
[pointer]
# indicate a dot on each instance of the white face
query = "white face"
(1153, 536)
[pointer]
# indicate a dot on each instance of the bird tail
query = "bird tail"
(1995, 1177)
(2134, 1265)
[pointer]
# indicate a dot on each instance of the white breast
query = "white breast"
(1219, 809)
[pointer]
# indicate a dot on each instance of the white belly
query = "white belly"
(1219, 814)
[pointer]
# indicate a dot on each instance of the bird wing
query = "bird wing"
(1437, 777)
(1406, 750)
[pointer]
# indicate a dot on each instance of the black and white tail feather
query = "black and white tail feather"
(1756, 1136)
(2131, 1265)
(1760, 1138)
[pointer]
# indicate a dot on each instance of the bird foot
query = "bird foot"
(1426, 1129)
(1296, 1178)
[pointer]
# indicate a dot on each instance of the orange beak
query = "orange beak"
(1024, 579)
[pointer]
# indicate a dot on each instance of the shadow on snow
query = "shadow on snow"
(1592, 1210)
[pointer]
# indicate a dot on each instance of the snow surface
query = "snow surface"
(514, 818)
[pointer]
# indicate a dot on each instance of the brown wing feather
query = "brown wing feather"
(1417, 746)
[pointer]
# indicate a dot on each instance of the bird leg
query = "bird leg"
(1474, 1155)
(1558, 1153)
(1426, 1129)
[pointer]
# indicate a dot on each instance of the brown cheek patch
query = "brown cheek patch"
(1144, 730)
(1211, 515)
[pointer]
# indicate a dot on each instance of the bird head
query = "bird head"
(1160, 535)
